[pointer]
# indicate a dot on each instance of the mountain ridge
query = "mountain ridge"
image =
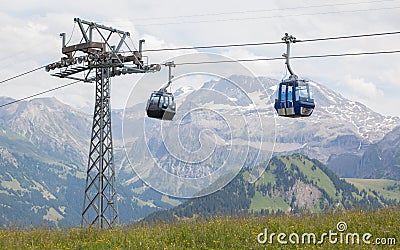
(291, 184)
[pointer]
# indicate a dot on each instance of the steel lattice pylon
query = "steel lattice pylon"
(100, 200)
(95, 58)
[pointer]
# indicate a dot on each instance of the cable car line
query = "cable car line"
(241, 45)
(249, 44)
(250, 60)
(347, 37)
(40, 93)
(22, 74)
(293, 57)
(213, 62)
(273, 43)
(230, 61)
(244, 45)
(214, 46)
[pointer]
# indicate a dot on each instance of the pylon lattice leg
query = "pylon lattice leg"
(100, 198)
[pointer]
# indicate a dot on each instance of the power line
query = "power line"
(22, 74)
(40, 93)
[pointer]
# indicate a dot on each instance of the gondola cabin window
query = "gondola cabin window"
(302, 93)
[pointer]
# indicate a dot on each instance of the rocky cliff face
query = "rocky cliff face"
(379, 160)
(56, 129)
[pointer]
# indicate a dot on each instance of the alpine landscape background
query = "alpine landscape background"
(346, 155)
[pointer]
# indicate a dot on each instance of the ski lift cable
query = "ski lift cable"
(22, 74)
(213, 62)
(273, 43)
(240, 45)
(294, 57)
(243, 60)
(38, 94)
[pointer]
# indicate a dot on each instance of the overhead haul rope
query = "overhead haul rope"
(37, 94)
(230, 61)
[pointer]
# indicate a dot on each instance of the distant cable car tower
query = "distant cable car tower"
(98, 61)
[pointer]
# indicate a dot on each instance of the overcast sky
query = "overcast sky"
(30, 39)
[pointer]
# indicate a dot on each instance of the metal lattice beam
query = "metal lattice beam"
(100, 200)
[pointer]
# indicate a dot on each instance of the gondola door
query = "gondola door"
(284, 100)
(289, 111)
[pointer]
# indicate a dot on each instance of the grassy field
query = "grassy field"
(224, 233)
(260, 202)
(381, 186)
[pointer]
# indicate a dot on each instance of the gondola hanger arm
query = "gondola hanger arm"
(288, 39)
(170, 76)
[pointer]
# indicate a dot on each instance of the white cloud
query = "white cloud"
(362, 89)
(366, 92)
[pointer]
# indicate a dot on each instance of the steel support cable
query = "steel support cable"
(348, 37)
(236, 45)
(240, 60)
(40, 93)
(22, 74)
(214, 46)
(293, 57)
(273, 43)
(226, 61)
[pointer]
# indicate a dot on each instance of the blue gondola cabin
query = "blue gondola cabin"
(293, 99)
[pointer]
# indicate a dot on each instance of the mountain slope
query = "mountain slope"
(53, 128)
(33, 192)
(379, 160)
(291, 184)
(382, 160)
(43, 159)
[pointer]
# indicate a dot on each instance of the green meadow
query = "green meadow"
(380, 227)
